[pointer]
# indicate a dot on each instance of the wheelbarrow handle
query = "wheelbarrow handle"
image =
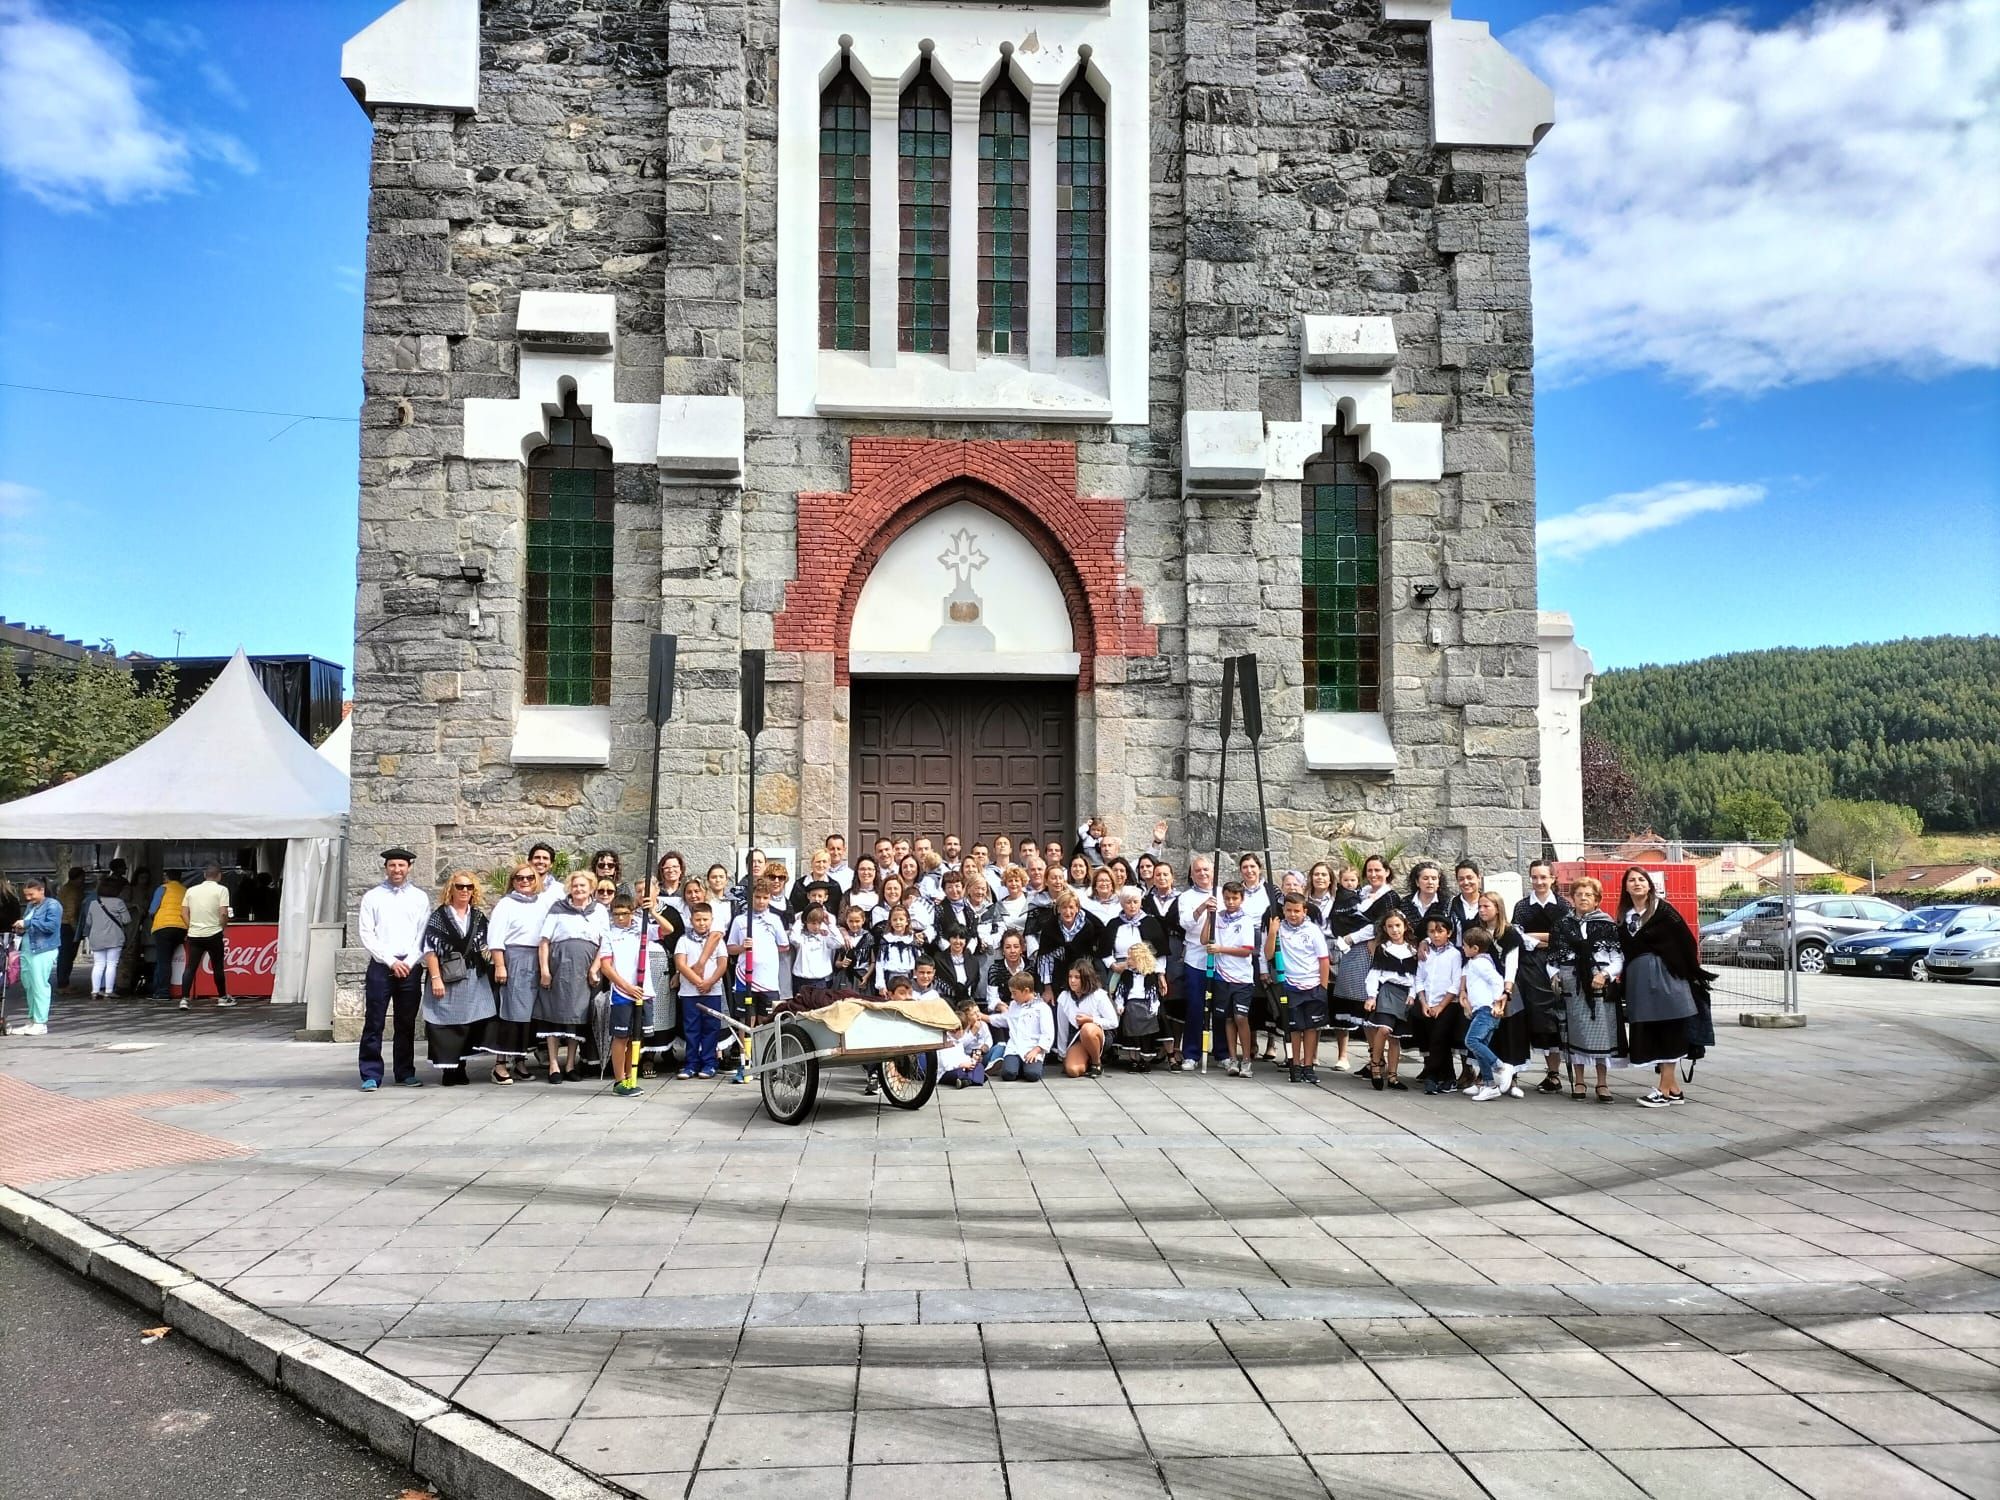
(726, 1019)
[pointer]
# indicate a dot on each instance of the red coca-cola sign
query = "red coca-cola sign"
(253, 962)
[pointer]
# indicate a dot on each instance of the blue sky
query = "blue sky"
(1768, 414)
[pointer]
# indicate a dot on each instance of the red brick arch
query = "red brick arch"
(1030, 485)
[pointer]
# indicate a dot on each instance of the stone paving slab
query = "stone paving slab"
(1140, 1285)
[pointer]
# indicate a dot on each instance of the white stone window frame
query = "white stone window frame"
(1042, 48)
(1347, 371)
(568, 347)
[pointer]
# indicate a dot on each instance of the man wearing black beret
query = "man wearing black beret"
(391, 928)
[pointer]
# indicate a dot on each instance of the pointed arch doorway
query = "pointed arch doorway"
(963, 712)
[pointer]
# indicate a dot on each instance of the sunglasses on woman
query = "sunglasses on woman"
(463, 885)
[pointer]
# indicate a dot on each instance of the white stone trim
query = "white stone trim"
(1348, 742)
(925, 385)
(1481, 94)
(569, 342)
(701, 440)
(1346, 379)
(548, 735)
(964, 663)
(423, 53)
(884, 47)
(1223, 453)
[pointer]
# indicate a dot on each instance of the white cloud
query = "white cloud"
(1606, 523)
(78, 128)
(1750, 208)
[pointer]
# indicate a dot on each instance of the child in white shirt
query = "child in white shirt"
(1482, 991)
(700, 959)
(815, 941)
(1436, 1017)
(1088, 1019)
(1031, 1030)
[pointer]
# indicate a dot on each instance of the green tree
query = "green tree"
(55, 725)
(1849, 834)
(1756, 816)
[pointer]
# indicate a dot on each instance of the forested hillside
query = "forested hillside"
(1915, 722)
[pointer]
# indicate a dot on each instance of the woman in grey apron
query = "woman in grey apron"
(458, 997)
(1586, 961)
(568, 959)
(1666, 988)
(513, 943)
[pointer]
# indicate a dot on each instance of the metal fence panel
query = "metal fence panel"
(1739, 896)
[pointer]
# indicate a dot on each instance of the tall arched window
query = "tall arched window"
(1003, 220)
(1081, 189)
(569, 565)
(923, 144)
(1341, 526)
(843, 213)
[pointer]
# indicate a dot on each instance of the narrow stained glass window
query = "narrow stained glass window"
(1080, 198)
(843, 213)
(1342, 621)
(569, 566)
(1003, 220)
(923, 144)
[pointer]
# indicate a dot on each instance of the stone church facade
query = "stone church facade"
(998, 370)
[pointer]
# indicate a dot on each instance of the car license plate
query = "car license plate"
(1844, 963)
(1751, 945)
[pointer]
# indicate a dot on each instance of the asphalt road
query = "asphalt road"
(89, 1410)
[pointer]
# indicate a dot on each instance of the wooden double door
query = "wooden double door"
(974, 757)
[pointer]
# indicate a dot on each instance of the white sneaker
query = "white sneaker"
(1189, 1065)
(224, 1003)
(1234, 1071)
(184, 1005)
(35, 1028)
(1503, 1078)
(1246, 1067)
(1342, 1065)
(1483, 1093)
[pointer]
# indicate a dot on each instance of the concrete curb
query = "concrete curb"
(463, 1455)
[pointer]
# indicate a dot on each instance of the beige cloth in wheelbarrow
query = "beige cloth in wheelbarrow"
(842, 1014)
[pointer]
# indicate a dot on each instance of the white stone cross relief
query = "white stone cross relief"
(963, 556)
(963, 629)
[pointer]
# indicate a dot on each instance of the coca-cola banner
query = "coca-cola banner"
(253, 962)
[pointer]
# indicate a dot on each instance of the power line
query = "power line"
(241, 411)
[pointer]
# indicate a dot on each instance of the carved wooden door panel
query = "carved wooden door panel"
(976, 758)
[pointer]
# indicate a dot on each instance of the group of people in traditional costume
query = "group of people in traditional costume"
(1051, 956)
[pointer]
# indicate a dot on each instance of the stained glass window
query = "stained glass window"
(569, 566)
(1340, 521)
(923, 145)
(1003, 220)
(843, 213)
(1080, 196)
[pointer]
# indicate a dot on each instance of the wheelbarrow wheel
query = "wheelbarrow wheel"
(908, 1082)
(791, 1080)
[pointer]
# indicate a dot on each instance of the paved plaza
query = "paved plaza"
(1134, 1286)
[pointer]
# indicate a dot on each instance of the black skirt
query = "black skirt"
(1656, 1042)
(449, 1046)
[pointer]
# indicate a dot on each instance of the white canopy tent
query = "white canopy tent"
(228, 768)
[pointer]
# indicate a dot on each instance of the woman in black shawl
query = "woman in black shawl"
(1666, 988)
(458, 998)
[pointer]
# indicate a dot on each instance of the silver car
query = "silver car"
(1720, 938)
(1973, 954)
(1818, 921)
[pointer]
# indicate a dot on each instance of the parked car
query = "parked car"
(1971, 954)
(1903, 948)
(1719, 938)
(1818, 922)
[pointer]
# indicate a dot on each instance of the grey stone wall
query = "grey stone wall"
(630, 147)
